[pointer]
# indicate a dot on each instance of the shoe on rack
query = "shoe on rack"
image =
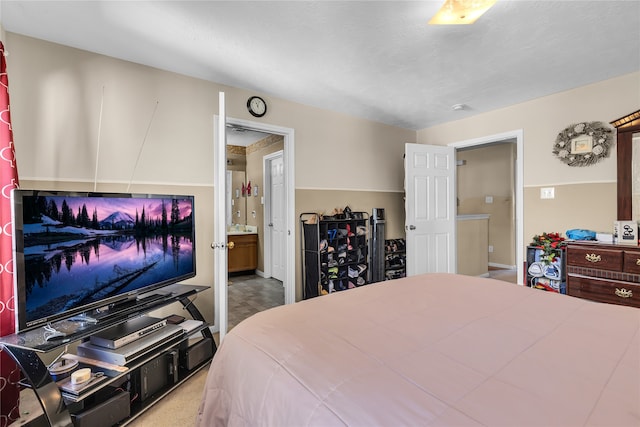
(536, 269)
(332, 232)
(342, 233)
(361, 281)
(551, 271)
(361, 268)
(353, 272)
(361, 230)
(323, 245)
(333, 273)
(351, 285)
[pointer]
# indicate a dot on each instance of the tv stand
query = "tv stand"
(150, 375)
(83, 318)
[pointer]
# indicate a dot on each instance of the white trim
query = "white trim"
(85, 181)
(571, 183)
(518, 136)
(261, 274)
(361, 190)
(289, 182)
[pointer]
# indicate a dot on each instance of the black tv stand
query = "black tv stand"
(64, 408)
(84, 318)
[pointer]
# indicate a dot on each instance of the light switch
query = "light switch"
(488, 199)
(547, 193)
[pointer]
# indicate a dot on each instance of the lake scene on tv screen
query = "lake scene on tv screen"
(80, 250)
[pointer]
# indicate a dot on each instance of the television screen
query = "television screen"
(75, 252)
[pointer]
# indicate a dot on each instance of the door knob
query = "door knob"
(231, 245)
(412, 227)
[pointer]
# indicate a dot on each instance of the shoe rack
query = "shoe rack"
(335, 252)
(395, 259)
(549, 277)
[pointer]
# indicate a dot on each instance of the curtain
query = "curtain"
(9, 372)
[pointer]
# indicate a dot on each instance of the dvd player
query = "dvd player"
(128, 352)
(127, 332)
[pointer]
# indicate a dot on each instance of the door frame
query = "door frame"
(266, 183)
(288, 135)
(518, 136)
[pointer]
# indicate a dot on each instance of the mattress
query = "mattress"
(430, 350)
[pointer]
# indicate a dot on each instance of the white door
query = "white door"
(430, 205)
(219, 244)
(276, 214)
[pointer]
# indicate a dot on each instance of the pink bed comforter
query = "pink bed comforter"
(431, 350)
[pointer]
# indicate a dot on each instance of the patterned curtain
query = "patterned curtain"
(9, 372)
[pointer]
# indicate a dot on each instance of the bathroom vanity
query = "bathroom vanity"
(243, 248)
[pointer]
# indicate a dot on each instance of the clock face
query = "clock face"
(257, 107)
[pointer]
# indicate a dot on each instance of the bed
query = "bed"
(430, 350)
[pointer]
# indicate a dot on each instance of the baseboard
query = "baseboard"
(505, 266)
(261, 274)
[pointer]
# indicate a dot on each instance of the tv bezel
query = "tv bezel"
(19, 285)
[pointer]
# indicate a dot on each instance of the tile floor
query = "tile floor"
(250, 294)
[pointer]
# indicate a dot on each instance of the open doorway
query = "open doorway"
(501, 155)
(254, 284)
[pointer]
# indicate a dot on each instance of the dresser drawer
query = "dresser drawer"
(632, 262)
(621, 293)
(590, 257)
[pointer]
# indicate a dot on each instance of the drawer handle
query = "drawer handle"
(638, 261)
(593, 258)
(624, 293)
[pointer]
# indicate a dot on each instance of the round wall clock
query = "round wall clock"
(256, 106)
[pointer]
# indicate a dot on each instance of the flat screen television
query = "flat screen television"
(78, 252)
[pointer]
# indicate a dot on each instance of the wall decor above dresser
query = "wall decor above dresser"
(583, 144)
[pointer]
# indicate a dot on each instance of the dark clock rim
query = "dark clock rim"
(253, 113)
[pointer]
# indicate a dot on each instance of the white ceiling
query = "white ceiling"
(373, 59)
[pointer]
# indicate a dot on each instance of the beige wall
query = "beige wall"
(58, 93)
(585, 196)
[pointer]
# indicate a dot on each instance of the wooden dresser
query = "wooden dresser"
(604, 272)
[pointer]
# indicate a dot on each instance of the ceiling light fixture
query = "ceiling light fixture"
(458, 107)
(460, 12)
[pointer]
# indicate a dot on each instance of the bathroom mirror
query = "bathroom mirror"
(236, 182)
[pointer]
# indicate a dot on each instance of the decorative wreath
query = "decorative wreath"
(583, 144)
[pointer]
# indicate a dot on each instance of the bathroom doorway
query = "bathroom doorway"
(250, 194)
